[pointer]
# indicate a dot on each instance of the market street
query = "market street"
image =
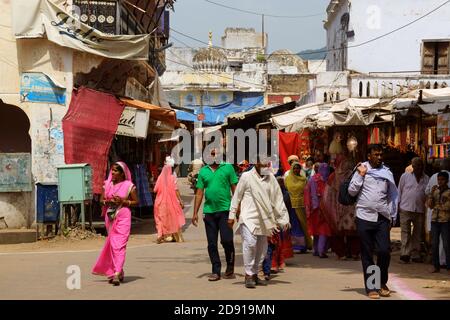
(179, 271)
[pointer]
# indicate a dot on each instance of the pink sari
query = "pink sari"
(112, 257)
(169, 216)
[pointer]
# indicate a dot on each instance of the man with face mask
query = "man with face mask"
(216, 181)
(262, 213)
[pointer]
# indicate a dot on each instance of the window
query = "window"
(436, 57)
(189, 99)
(207, 98)
(360, 89)
(338, 96)
(325, 98)
(368, 90)
(223, 98)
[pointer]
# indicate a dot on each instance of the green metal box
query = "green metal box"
(74, 182)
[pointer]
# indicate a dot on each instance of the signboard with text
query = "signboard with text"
(133, 123)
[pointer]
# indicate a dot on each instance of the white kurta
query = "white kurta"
(250, 213)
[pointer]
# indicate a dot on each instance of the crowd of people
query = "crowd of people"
(282, 214)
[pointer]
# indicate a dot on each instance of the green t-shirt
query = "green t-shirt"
(217, 187)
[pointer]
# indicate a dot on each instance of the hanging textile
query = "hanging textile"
(289, 144)
(89, 127)
(142, 186)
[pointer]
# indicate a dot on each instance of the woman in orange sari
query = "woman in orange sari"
(168, 208)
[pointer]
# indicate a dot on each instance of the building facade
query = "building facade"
(39, 76)
(385, 48)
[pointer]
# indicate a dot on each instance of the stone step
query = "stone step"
(14, 236)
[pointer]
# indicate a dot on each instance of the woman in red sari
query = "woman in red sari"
(345, 242)
(316, 214)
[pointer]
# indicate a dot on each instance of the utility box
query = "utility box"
(47, 204)
(74, 183)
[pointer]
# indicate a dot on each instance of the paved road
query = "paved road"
(179, 271)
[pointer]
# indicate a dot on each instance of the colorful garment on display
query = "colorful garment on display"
(142, 185)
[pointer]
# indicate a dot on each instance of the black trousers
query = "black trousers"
(214, 224)
(439, 229)
(375, 234)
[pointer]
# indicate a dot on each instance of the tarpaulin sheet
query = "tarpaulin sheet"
(289, 144)
(89, 127)
(215, 115)
(34, 18)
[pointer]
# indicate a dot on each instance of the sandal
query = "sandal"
(160, 240)
(115, 281)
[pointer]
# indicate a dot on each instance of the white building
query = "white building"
(362, 38)
(212, 75)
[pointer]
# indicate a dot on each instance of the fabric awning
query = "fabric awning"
(354, 103)
(215, 115)
(291, 120)
(156, 113)
(433, 108)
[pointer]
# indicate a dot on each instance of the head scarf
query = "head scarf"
(125, 169)
(293, 158)
(324, 171)
(121, 189)
(295, 184)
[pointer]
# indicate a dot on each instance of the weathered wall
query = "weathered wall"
(16, 207)
(316, 66)
(33, 55)
(40, 55)
(400, 51)
(335, 85)
(292, 83)
(240, 38)
(281, 98)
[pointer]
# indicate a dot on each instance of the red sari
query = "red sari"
(315, 210)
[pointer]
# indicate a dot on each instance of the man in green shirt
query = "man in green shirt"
(217, 182)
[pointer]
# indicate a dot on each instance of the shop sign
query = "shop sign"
(38, 87)
(133, 123)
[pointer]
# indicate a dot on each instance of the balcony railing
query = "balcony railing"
(130, 17)
(388, 85)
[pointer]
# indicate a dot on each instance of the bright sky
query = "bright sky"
(196, 17)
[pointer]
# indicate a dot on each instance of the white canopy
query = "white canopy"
(291, 120)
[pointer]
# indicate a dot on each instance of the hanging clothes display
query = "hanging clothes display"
(142, 186)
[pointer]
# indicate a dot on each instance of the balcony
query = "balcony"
(131, 17)
(392, 85)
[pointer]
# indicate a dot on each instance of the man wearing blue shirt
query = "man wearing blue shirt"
(376, 212)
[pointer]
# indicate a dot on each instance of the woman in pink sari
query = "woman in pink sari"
(119, 195)
(168, 209)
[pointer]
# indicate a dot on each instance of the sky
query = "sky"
(197, 17)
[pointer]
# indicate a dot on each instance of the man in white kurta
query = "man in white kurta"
(262, 213)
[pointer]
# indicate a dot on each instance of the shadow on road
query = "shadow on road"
(129, 279)
(360, 291)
